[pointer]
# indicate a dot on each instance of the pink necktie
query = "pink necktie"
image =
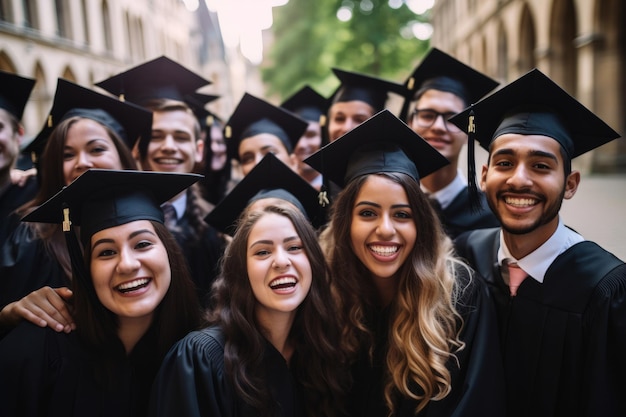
(516, 276)
(169, 214)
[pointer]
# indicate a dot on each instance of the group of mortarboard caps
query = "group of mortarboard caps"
(533, 104)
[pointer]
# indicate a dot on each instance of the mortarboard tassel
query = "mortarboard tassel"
(474, 198)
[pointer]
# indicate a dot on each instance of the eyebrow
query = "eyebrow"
(536, 153)
(90, 142)
(370, 203)
(271, 242)
(132, 235)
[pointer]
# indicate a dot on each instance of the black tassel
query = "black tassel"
(474, 195)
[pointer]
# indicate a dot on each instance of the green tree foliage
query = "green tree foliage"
(309, 39)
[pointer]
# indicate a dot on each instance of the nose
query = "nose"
(128, 262)
(520, 177)
(83, 161)
(281, 259)
(168, 143)
(440, 123)
(385, 226)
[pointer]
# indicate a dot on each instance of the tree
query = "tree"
(309, 39)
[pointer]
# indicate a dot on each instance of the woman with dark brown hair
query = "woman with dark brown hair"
(271, 345)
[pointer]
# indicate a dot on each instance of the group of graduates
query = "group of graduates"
(324, 257)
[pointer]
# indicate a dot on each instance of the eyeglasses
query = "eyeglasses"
(426, 118)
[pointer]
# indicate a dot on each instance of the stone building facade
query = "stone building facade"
(581, 44)
(86, 41)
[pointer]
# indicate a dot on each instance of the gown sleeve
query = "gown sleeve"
(191, 381)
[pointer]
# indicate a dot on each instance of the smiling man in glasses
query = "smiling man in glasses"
(440, 87)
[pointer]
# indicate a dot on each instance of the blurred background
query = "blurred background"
(271, 48)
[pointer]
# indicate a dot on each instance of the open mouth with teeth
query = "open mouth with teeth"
(384, 250)
(133, 285)
(521, 202)
(283, 283)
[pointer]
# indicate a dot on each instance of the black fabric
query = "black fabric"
(477, 385)
(192, 381)
(45, 373)
(12, 198)
(26, 265)
(564, 340)
(458, 217)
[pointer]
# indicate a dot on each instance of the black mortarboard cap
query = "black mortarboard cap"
(382, 143)
(440, 71)
(103, 198)
(128, 120)
(534, 105)
(361, 87)
(197, 102)
(155, 79)
(254, 116)
(270, 178)
(14, 93)
(308, 104)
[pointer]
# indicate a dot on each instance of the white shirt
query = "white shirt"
(180, 204)
(447, 194)
(537, 262)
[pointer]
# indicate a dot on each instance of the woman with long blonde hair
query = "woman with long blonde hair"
(417, 325)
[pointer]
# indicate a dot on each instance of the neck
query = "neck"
(131, 330)
(520, 245)
(387, 289)
(276, 330)
(440, 178)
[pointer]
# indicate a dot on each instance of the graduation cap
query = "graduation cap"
(308, 104)
(534, 105)
(440, 71)
(127, 120)
(14, 93)
(270, 178)
(102, 198)
(382, 143)
(197, 102)
(158, 78)
(254, 116)
(361, 87)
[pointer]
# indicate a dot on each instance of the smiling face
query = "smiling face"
(278, 267)
(525, 183)
(173, 146)
(448, 143)
(308, 144)
(344, 116)
(382, 230)
(130, 270)
(88, 145)
(252, 150)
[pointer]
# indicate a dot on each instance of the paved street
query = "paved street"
(598, 211)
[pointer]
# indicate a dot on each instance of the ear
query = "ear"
(571, 184)
(483, 179)
(199, 151)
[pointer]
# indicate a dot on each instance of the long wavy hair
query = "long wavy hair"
(424, 324)
(52, 180)
(314, 333)
(178, 313)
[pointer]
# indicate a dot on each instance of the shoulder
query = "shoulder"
(204, 346)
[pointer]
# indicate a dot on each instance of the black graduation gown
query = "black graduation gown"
(45, 373)
(192, 381)
(26, 265)
(563, 341)
(458, 217)
(14, 197)
(202, 254)
(477, 385)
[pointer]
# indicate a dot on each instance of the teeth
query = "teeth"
(384, 250)
(520, 202)
(167, 161)
(286, 281)
(127, 286)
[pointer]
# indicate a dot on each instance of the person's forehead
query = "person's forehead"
(440, 98)
(351, 107)
(5, 116)
(262, 140)
(526, 143)
(174, 118)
